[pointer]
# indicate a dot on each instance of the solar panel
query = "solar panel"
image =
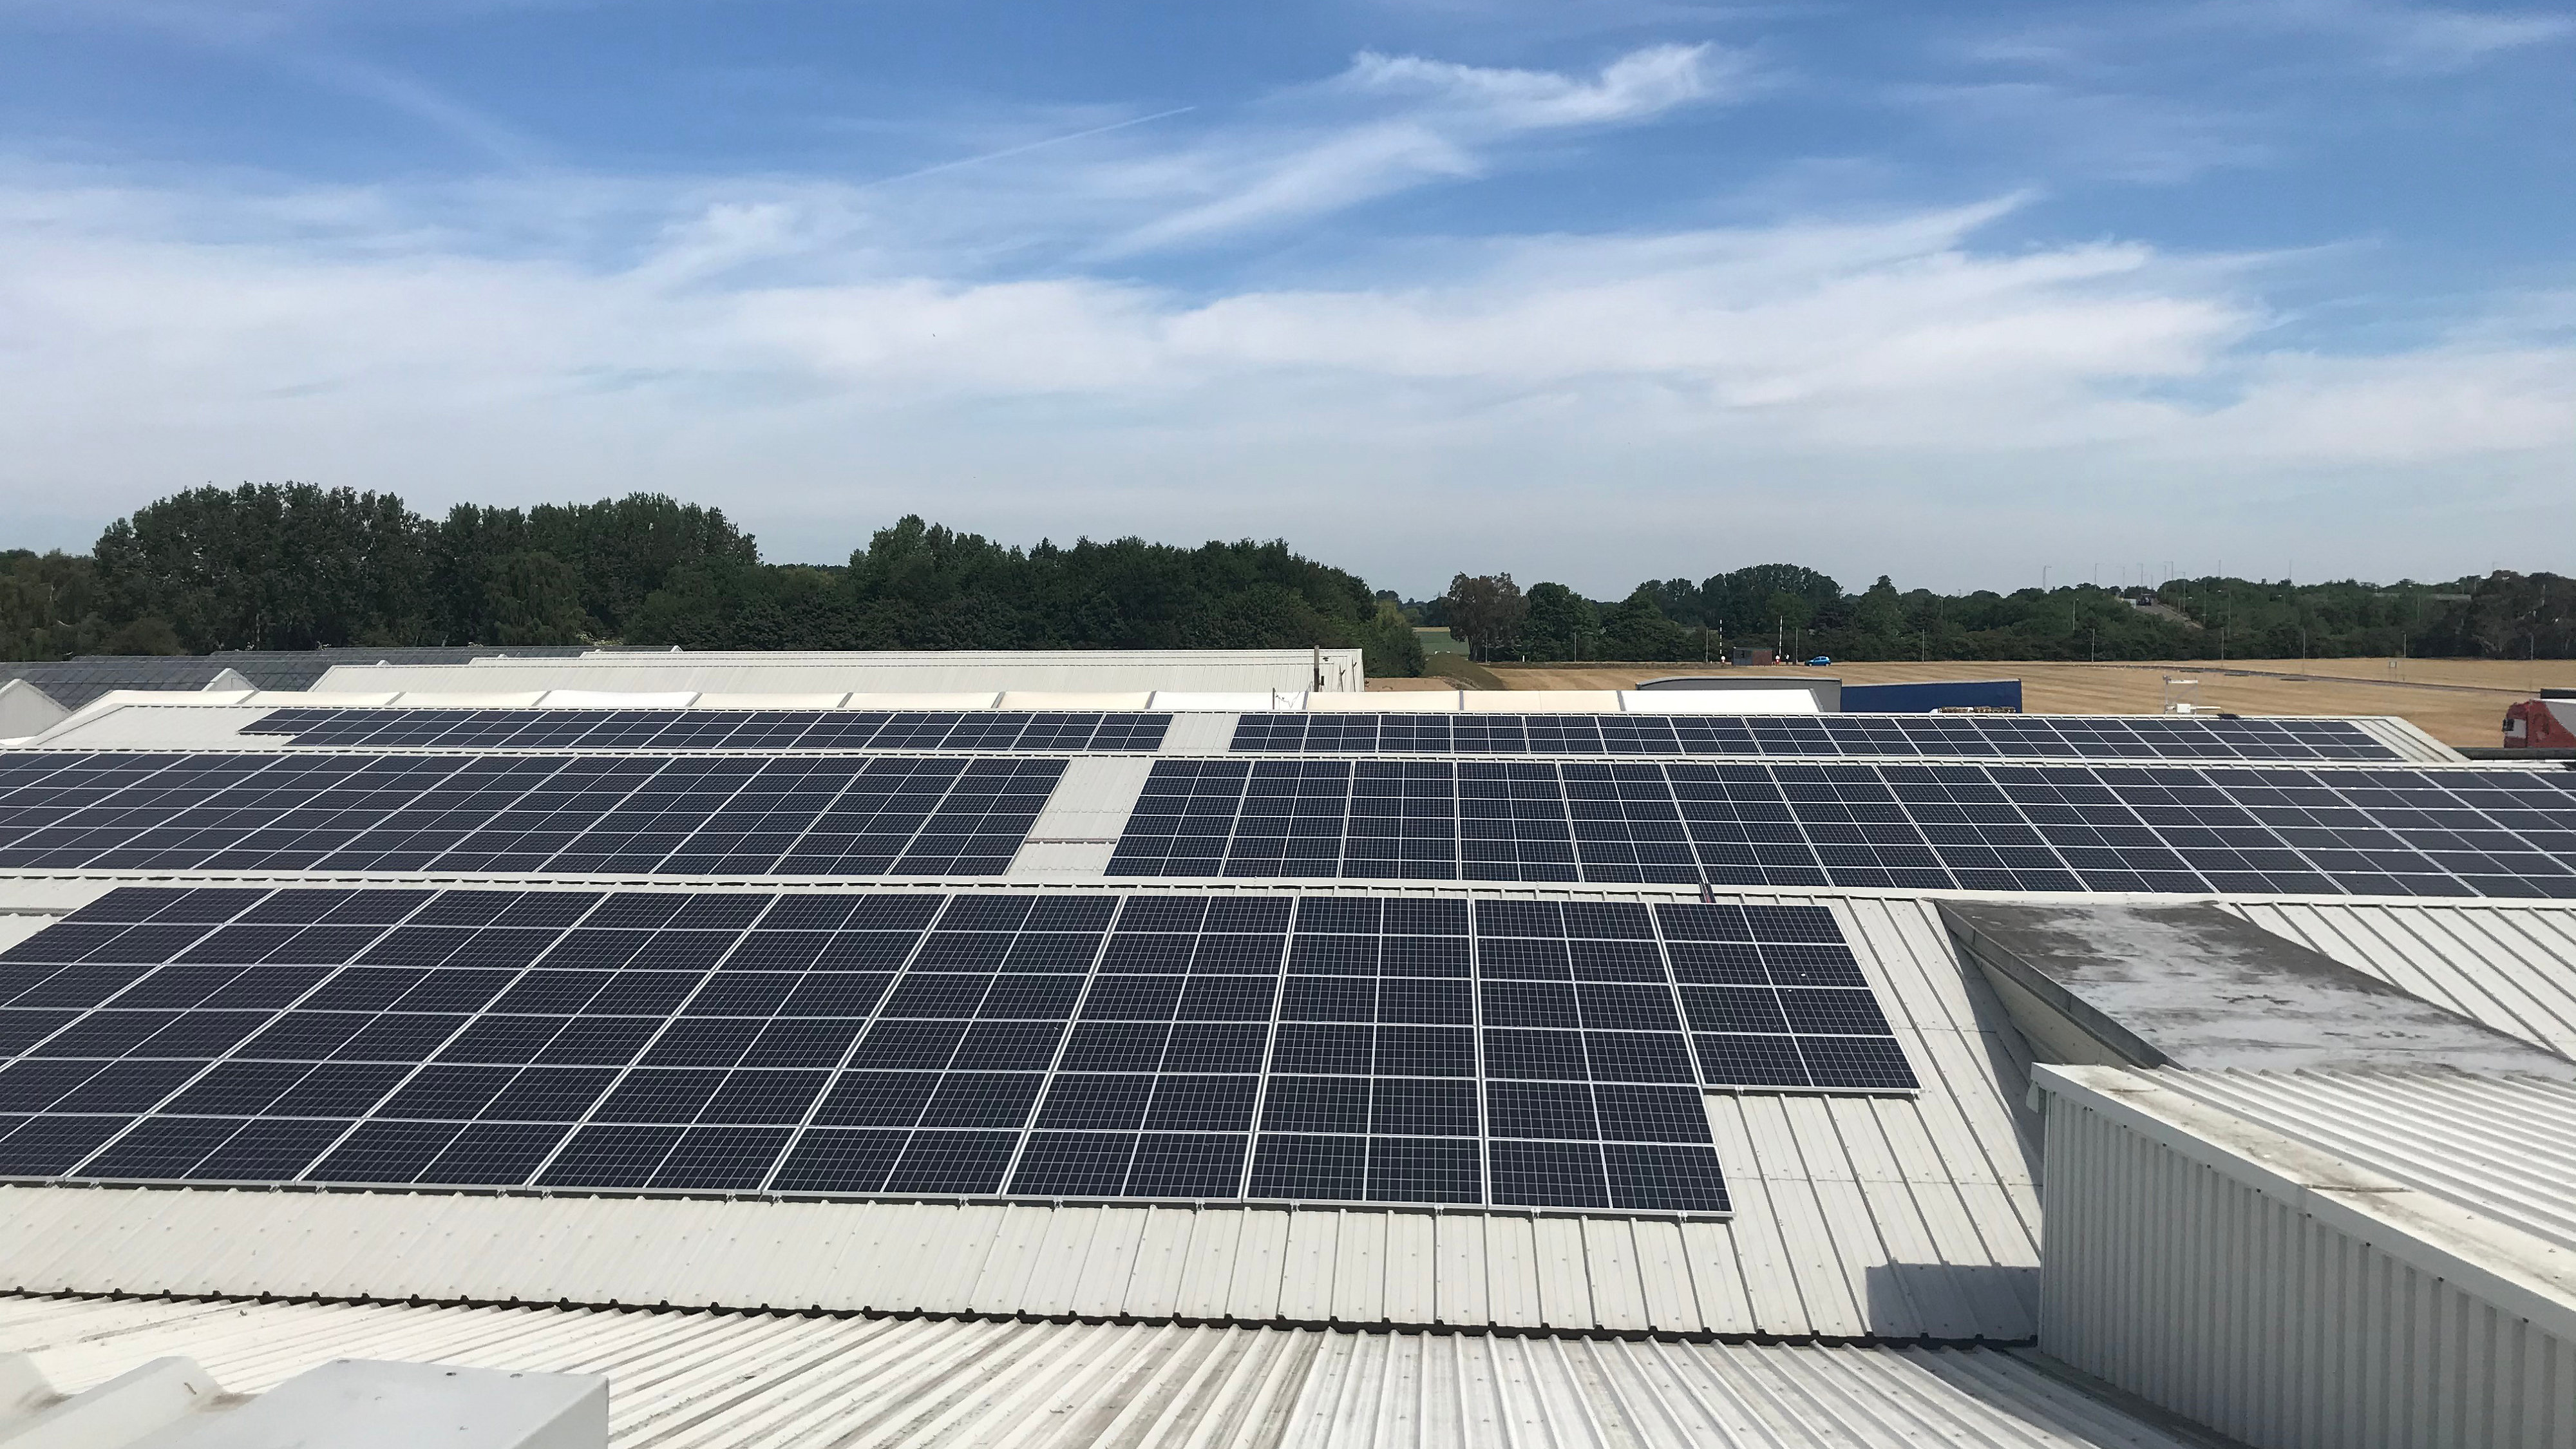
(2023, 828)
(1839, 736)
(850, 1044)
(591, 814)
(715, 729)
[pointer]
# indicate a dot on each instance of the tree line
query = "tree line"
(295, 566)
(1801, 613)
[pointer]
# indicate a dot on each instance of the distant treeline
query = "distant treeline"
(1805, 613)
(294, 566)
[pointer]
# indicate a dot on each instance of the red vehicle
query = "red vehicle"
(2546, 723)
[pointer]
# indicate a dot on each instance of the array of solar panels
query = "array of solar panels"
(717, 729)
(2257, 830)
(588, 814)
(854, 1044)
(1846, 736)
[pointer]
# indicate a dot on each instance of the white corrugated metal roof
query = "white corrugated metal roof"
(1297, 655)
(26, 710)
(2289, 1294)
(1889, 1217)
(2504, 1147)
(742, 673)
(703, 1380)
(2510, 966)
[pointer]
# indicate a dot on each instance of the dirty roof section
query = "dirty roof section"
(2197, 987)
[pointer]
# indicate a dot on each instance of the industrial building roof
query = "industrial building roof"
(2501, 1146)
(943, 672)
(1890, 1217)
(77, 681)
(1876, 1274)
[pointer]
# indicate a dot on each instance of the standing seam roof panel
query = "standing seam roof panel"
(2509, 967)
(2502, 1147)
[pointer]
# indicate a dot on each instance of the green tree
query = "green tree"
(271, 566)
(1754, 603)
(51, 608)
(620, 552)
(1389, 649)
(1557, 623)
(1485, 612)
(533, 598)
(1637, 629)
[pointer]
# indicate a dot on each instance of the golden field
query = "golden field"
(2456, 701)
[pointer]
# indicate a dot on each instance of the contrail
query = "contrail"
(1031, 146)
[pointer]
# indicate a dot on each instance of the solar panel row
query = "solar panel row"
(624, 814)
(2250, 830)
(1846, 736)
(715, 729)
(845, 1043)
(1437, 734)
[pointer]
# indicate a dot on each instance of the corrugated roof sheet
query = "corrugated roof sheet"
(701, 1380)
(1057, 670)
(1898, 1218)
(2510, 966)
(2503, 1147)
(2288, 1295)
(75, 682)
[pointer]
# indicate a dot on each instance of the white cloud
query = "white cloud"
(1640, 83)
(2387, 35)
(1390, 122)
(1883, 395)
(2398, 35)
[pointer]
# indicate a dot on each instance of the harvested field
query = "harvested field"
(2456, 701)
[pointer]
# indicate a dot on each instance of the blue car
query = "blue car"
(1820, 659)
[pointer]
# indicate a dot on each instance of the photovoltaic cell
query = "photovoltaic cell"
(766, 731)
(1344, 1049)
(2147, 737)
(2268, 830)
(589, 814)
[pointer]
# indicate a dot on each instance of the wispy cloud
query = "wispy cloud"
(281, 39)
(2396, 35)
(1392, 122)
(1640, 83)
(2387, 35)
(2094, 133)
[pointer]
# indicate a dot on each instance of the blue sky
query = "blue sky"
(1592, 292)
